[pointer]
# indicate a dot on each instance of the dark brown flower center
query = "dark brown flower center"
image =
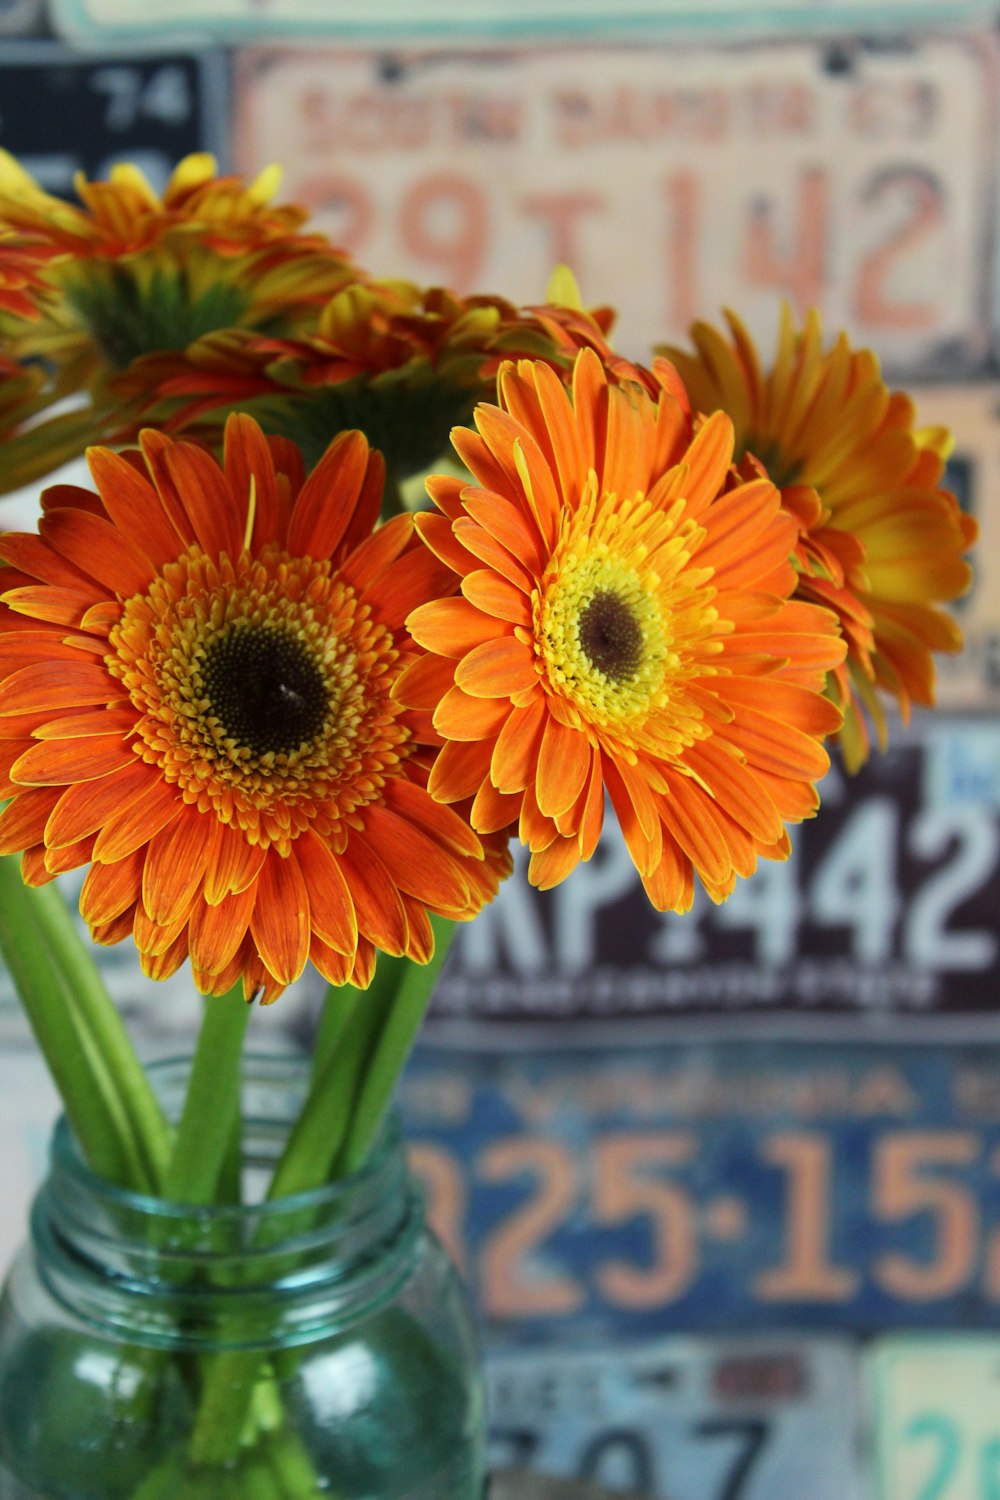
(611, 636)
(264, 688)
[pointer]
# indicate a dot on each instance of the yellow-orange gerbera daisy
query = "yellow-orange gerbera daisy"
(883, 542)
(196, 675)
(624, 624)
(132, 272)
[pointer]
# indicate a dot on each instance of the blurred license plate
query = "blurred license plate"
(63, 112)
(684, 1418)
(19, 16)
(971, 680)
(937, 1413)
(675, 179)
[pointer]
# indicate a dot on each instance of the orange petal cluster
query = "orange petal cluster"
(624, 627)
(882, 542)
(197, 673)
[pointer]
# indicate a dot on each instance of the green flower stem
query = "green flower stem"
(225, 1422)
(164, 1483)
(363, 1048)
(101, 1018)
(324, 1120)
(338, 1006)
(401, 1022)
(365, 1037)
(294, 1469)
(231, 1175)
(203, 1145)
(238, 1403)
(105, 1093)
(256, 1480)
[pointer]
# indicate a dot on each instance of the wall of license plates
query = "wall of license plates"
(726, 1187)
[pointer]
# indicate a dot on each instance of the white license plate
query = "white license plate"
(937, 1415)
(675, 179)
(685, 1418)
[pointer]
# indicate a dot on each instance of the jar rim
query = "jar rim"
(121, 1258)
(287, 1070)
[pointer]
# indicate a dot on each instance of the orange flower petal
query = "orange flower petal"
(35, 557)
(461, 717)
(156, 450)
(451, 627)
(61, 762)
(417, 865)
(437, 534)
(380, 912)
(369, 560)
(280, 922)
(707, 460)
(22, 821)
(421, 685)
(116, 562)
(497, 669)
(86, 806)
(62, 606)
(217, 522)
(442, 823)
(75, 726)
(518, 746)
(176, 858)
(133, 505)
(502, 537)
(235, 865)
(333, 916)
(335, 967)
(216, 933)
(326, 502)
(111, 890)
(493, 810)
(547, 867)
(249, 461)
(56, 685)
(564, 763)
(496, 596)
(132, 824)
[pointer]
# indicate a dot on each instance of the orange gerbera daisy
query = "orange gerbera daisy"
(883, 542)
(402, 364)
(197, 667)
(624, 625)
(132, 272)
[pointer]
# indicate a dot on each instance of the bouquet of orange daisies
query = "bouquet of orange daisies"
(371, 580)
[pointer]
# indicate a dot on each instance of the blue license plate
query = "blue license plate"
(716, 1186)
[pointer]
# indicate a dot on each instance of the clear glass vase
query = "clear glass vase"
(316, 1345)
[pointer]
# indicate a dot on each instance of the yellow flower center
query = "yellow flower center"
(264, 691)
(605, 645)
(624, 620)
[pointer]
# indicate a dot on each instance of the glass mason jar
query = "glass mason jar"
(315, 1345)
